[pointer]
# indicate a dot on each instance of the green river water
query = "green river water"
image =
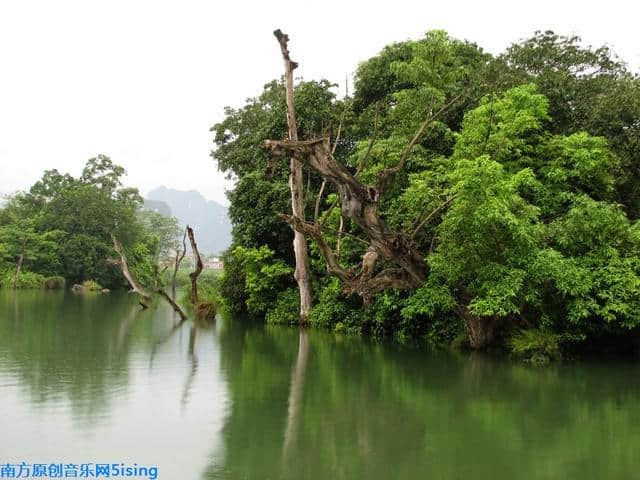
(92, 379)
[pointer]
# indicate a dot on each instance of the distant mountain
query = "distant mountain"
(208, 218)
(158, 206)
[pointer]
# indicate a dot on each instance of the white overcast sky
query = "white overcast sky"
(143, 81)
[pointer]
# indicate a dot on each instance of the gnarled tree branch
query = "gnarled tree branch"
(357, 203)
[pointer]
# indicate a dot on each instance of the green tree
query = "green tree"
(520, 194)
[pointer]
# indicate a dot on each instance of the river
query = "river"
(92, 379)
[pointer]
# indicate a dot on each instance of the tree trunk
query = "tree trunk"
(479, 329)
(194, 275)
(19, 264)
(177, 262)
(296, 185)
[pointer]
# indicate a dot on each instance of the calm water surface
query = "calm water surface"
(92, 379)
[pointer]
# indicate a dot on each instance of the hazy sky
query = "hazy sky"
(143, 81)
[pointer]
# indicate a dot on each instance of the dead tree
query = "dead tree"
(176, 266)
(194, 275)
(145, 295)
(296, 185)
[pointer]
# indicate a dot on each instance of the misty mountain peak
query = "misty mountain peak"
(208, 218)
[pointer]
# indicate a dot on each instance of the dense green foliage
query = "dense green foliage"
(535, 165)
(62, 227)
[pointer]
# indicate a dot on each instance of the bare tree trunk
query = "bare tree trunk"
(296, 186)
(194, 275)
(19, 263)
(177, 262)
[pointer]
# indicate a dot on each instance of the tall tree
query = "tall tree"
(296, 185)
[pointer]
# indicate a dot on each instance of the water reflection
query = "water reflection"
(308, 405)
(296, 390)
(94, 379)
(204, 326)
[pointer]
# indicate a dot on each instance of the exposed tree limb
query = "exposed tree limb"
(171, 302)
(362, 164)
(145, 296)
(340, 233)
(313, 230)
(387, 174)
(363, 283)
(316, 210)
(194, 275)
(358, 202)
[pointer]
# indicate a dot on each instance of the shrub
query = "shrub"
(26, 280)
(335, 312)
(53, 283)
(232, 281)
(535, 346)
(286, 309)
(92, 285)
(205, 310)
(265, 277)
